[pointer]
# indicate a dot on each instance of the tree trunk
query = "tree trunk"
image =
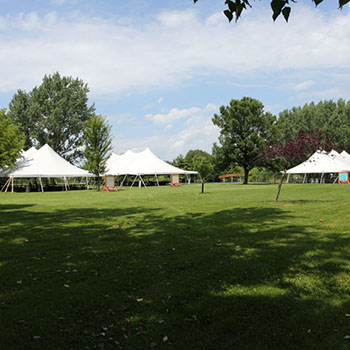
(202, 186)
(246, 172)
(280, 185)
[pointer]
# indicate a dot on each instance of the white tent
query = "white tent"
(333, 153)
(28, 153)
(43, 163)
(344, 157)
(321, 162)
(141, 163)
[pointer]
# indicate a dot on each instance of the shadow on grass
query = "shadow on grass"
(128, 278)
(304, 201)
(7, 207)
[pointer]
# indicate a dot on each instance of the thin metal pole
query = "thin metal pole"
(121, 185)
(41, 184)
(288, 179)
(134, 180)
(12, 184)
(143, 181)
(6, 183)
(156, 179)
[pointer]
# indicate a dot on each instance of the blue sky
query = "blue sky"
(159, 70)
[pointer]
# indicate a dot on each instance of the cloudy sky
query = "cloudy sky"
(160, 69)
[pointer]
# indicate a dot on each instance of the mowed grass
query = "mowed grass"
(171, 268)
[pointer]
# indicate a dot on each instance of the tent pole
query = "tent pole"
(304, 178)
(6, 183)
(12, 184)
(134, 180)
(288, 178)
(335, 180)
(155, 175)
(87, 183)
(41, 184)
(121, 184)
(142, 181)
(321, 178)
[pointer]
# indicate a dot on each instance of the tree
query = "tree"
(284, 155)
(180, 162)
(191, 156)
(18, 113)
(204, 167)
(98, 143)
(332, 118)
(245, 131)
(193, 153)
(54, 113)
(236, 7)
(11, 141)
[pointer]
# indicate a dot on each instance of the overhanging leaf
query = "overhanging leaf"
(277, 6)
(343, 2)
(286, 13)
(231, 5)
(229, 15)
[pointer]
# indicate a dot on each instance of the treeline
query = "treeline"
(253, 141)
(333, 118)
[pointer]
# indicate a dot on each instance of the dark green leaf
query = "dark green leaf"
(317, 2)
(343, 2)
(231, 5)
(247, 3)
(229, 15)
(239, 9)
(286, 13)
(277, 6)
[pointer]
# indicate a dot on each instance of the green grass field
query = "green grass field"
(171, 268)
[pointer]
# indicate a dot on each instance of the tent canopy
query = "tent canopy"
(44, 162)
(141, 163)
(322, 162)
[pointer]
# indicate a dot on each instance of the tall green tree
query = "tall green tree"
(245, 131)
(181, 162)
(332, 118)
(11, 141)
(97, 144)
(55, 113)
(19, 114)
(191, 159)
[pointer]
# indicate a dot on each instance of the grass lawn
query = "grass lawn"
(170, 268)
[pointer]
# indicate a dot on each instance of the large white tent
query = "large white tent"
(43, 163)
(140, 164)
(322, 162)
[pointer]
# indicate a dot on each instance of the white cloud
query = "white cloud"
(174, 114)
(118, 56)
(160, 99)
(303, 85)
(198, 132)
